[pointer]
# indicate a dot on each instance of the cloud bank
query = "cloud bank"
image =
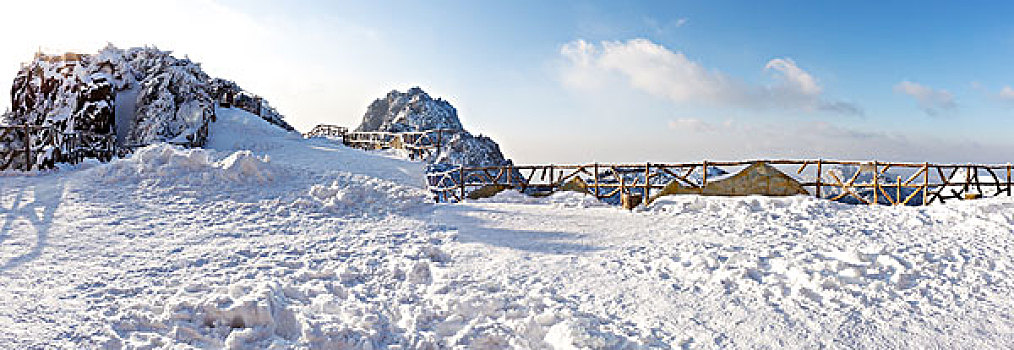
(932, 101)
(660, 72)
(735, 140)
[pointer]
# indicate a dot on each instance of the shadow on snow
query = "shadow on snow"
(34, 204)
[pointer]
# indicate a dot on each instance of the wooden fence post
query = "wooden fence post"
(876, 182)
(704, 176)
(818, 178)
(647, 183)
(552, 182)
(28, 148)
(461, 183)
(968, 181)
(925, 183)
(1008, 180)
(440, 133)
(596, 177)
(897, 192)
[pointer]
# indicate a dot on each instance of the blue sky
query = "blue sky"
(605, 81)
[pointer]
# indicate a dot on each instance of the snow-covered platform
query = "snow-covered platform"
(266, 239)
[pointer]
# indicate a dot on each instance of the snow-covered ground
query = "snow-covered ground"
(268, 240)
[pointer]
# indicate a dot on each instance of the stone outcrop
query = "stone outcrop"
(415, 110)
(142, 94)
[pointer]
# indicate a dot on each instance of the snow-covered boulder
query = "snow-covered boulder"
(415, 110)
(142, 94)
(70, 92)
(465, 149)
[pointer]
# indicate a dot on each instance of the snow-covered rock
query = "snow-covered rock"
(415, 110)
(143, 94)
(60, 90)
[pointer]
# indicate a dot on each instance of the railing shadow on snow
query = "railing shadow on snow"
(473, 229)
(48, 199)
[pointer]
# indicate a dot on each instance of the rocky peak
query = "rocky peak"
(415, 110)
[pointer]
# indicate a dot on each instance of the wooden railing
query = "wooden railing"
(419, 144)
(859, 182)
(30, 147)
(325, 130)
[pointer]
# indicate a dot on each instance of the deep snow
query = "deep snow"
(269, 240)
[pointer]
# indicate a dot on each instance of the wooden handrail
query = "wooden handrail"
(70, 147)
(929, 180)
(420, 144)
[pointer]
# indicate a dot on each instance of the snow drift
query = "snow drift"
(355, 193)
(166, 164)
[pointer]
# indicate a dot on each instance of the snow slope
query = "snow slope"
(757, 272)
(267, 240)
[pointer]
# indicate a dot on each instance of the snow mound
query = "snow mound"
(237, 129)
(164, 163)
(244, 165)
(797, 206)
(352, 193)
(238, 317)
(563, 199)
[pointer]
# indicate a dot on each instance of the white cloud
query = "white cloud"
(1006, 94)
(660, 28)
(692, 124)
(661, 72)
(794, 77)
(932, 101)
(734, 140)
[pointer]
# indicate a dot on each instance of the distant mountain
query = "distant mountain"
(415, 110)
(143, 94)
